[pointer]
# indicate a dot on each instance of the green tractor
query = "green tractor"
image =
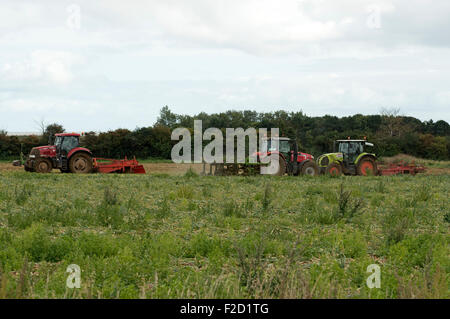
(351, 158)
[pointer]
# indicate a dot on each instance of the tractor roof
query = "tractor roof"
(351, 141)
(67, 134)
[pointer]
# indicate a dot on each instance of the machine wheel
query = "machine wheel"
(42, 165)
(367, 166)
(272, 168)
(334, 169)
(281, 167)
(81, 163)
(310, 168)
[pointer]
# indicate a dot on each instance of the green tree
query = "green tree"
(50, 131)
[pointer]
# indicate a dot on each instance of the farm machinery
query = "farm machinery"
(282, 150)
(65, 154)
(351, 158)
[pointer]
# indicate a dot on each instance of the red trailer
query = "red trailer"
(401, 168)
(106, 165)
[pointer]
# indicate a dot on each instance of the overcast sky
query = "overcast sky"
(99, 65)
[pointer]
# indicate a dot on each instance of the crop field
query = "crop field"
(190, 236)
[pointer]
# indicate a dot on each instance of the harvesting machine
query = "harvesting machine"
(282, 150)
(65, 154)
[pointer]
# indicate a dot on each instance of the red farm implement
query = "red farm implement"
(64, 153)
(401, 168)
(105, 165)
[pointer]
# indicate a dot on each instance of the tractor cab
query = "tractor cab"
(351, 149)
(277, 144)
(66, 142)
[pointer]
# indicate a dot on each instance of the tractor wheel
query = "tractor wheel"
(276, 166)
(81, 163)
(310, 168)
(367, 166)
(334, 169)
(281, 167)
(43, 165)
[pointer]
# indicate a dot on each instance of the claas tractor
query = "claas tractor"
(283, 150)
(349, 157)
(65, 153)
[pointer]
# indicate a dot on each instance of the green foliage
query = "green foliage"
(396, 224)
(166, 236)
(392, 134)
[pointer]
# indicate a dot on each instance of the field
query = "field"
(187, 236)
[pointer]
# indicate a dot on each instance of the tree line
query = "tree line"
(391, 132)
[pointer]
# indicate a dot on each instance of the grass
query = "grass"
(191, 236)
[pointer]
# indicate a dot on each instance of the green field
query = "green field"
(160, 236)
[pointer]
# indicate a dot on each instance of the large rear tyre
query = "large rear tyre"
(81, 163)
(276, 166)
(42, 165)
(281, 167)
(367, 166)
(334, 169)
(310, 168)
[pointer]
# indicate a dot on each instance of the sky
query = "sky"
(108, 64)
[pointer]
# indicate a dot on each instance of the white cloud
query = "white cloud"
(127, 60)
(42, 65)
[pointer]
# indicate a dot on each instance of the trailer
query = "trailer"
(106, 166)
(401, 169)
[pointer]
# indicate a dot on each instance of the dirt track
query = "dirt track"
(151, 168)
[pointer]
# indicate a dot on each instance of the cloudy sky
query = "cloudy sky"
(105, 64)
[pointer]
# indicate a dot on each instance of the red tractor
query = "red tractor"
(290, 159)
(64, 154)
(283, 150)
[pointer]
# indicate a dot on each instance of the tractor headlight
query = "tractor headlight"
(32, 156)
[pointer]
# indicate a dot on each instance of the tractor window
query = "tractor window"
(343, 148)
(69, 143)
(58, 141)
(268, 146)
(355, 148)
(284, 147)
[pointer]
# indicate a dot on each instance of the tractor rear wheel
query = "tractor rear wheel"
(43, 165)
(81, 163)
(334, 169)
(367, 166)
(310, 168)
(276, 166)
(281, 166)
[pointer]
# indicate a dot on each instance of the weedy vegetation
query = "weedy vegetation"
(191, 236)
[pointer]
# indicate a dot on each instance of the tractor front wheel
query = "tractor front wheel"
(367, 166)
(43, 165)
(81, 163)
(310, 168)
(334, 169)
